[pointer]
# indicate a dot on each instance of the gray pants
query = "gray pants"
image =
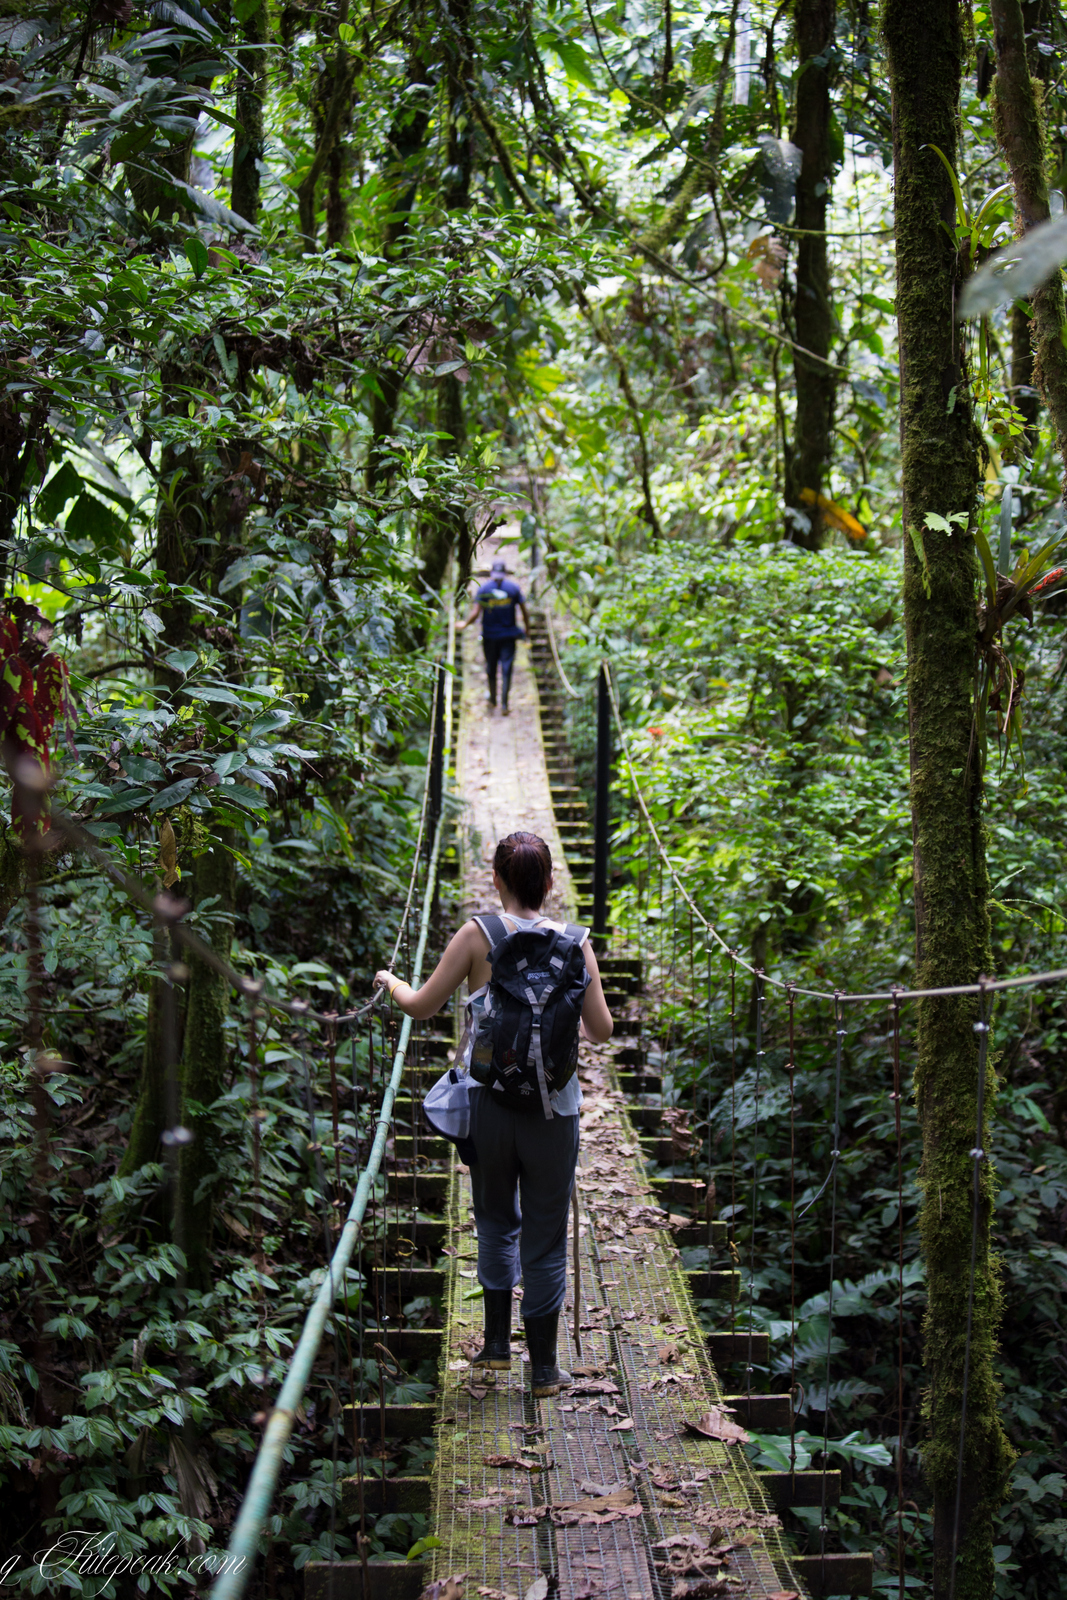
(528, 1159)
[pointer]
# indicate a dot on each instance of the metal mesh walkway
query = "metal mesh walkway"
(621, 1427)
(603, 1487)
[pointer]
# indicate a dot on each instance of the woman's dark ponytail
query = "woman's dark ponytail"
(523, 862)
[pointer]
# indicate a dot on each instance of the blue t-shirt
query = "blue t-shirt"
(498, 599)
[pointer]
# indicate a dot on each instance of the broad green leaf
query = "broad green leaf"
(62, 486)
(172, 795)
(1017, 270)
(575, 61)
(196, 250)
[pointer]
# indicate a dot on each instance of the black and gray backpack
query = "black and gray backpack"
(527, 1042)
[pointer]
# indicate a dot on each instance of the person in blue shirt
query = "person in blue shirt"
(495, 603)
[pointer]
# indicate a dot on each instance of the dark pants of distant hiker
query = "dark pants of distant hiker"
(522, 1184)
(502, 650)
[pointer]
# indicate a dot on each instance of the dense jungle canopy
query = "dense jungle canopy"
(299, 301)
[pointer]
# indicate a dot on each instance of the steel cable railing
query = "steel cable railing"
(837, 996)
(263, 1480)
(982, 988)
(168, 913)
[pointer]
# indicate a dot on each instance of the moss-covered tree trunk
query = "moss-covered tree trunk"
(204, 1056)
(1017, 116)
(180, 525)
(248, 107)
(448, 531)
(150, 1108)
(940, 475)
(400, 180)
(809, 458)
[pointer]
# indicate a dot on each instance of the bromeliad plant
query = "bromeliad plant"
(999, 682)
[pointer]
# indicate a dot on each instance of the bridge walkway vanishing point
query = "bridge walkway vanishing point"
(617, 1487)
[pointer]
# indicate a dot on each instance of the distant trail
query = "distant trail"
(501, 777)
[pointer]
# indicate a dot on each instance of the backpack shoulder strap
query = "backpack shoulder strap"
(575, 931)
(494, 927)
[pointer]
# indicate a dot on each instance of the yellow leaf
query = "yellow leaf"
(834, 514)
(168, 855)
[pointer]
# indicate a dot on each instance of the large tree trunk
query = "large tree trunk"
(248, 105)
(150, 1109)
(1017, 117)
(940, 475)
(180, 525)
(405, 140)
(810, 456)
(448, 531)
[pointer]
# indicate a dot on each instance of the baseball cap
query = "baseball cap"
(499, 566)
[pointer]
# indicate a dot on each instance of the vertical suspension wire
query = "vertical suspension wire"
(415, 1077)
(689, 1008)
(792, 1070)
(347, 1289)
(839, 1046)
(900, 1297)
(672, 1008)
(755, 1178)
(315, 1147)
(733, 1141)
(978, 1155)
(357, 1395)
(709, 1200)
(252, 992)
(331, 1057)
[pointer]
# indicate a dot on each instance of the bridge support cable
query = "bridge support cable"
(243, 1547)
(602, 813)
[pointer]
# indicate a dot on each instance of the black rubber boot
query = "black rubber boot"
(496, 1351)
(541, 1335)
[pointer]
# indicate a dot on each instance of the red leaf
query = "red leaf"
(53, 697)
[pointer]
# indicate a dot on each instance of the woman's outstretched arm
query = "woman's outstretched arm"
(452, 969)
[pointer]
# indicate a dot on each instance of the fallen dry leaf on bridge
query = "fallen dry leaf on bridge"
(445, 1588)
(595, 1386)
(723, 1519)
(516, 1461)
(612, 1500)
(715, 1424)
(525, 1516)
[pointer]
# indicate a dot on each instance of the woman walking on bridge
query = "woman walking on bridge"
(532, 984)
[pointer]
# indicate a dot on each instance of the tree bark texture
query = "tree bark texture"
(1017, 116)
(813, 431)
(203, 1063)
(248, 141)
(337, 102)
(939, 467)
(448, 531)
(150, 1110)
(1024, 395)
(406, 139)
